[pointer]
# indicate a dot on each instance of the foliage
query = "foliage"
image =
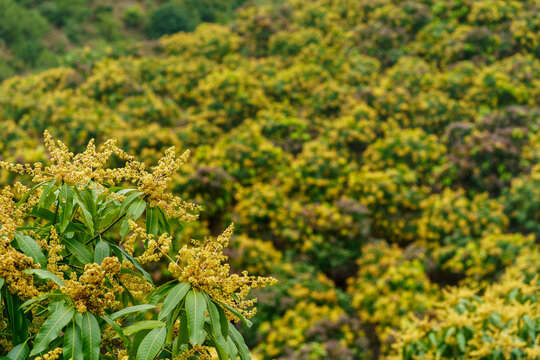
(75, 248)
(372, 154)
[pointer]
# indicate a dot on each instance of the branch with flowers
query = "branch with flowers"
(74, 249)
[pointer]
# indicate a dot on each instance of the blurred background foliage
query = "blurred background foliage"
(379, 157)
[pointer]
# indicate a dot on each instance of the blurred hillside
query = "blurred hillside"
(379, 157)
(36, 35)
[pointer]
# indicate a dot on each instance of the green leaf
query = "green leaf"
(136, 208)
(118, 330)
(66, 206)
(79, 250)
(101, 251)
(215, 322)
(163, 220)
(134, 262)
(86, 216)
(173, 298)
(240, 343)
(47, 196)
(90, 335)
(45, 274)
(238, 314)
(19, 352)
(108, 217)
(27, 195)
(31, 248)
(129, 199)
(17, 320)
(130, 310)
(73, 348)
(224, 322)
(142, 325)
(151, 344)
(195, 309)
(152, 220)
(462, 342)
(51, 328)
(233, 350)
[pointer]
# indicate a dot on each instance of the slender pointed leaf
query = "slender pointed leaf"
(79, 250)
(101, 251)
(45, 274)
(66, 206)
(52, 327)
(73, 348)
(142, 325)
(173, 298)
(151, 344)
(90, 335)
(130, 310)
(238, 339)
(31, 248)
(19, 352)
(195, 309)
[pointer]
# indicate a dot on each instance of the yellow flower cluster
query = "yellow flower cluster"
(202, 265)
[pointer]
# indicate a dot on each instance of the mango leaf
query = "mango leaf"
(223, 321)
(66, 206)
(215, 324)
(47, 196)
(108, 217)
(18, 322)
(73, 348)
(133, 261)
(130, 310)
(19, 352)
(173, 298)
(233, 350)
(52, 327)
(45, 274)
(238, 314)
(462, 342)
(90, 335)
(151, 344)
(238, 339)
(163, 220)
(31, 248)
(101, 251)
(129, 199)
(79, 250)
(195, 309)
(86, 216)
(136, 209)
(142, 325)
(27, 194)
(118, 330)
(152, 220)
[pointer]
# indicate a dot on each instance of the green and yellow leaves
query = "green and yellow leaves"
(174, 297)
(152, 344)
(90, 335)
(196, 309)
(52, 327)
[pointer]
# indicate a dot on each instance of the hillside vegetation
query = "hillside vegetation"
(43, 34)
(379, 158)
